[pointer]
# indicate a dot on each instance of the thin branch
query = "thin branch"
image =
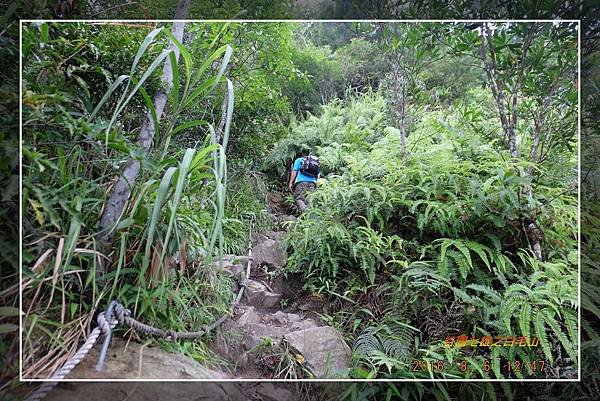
(520, 74)
(114, 7)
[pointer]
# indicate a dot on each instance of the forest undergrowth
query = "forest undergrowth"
(414, 254)
(446, 214)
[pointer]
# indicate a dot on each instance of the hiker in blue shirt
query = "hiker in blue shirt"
(303, 178)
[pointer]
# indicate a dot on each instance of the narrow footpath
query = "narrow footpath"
(275, 333)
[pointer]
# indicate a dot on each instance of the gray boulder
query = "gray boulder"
(144, 391)
(257, 294)
(270, 253)
(134, 361)
(324, 349)
(275, 235)
(233, 270)
(271, 392)
(288, 218)
(248, 316)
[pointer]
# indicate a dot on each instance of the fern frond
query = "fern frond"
(540, 332)
(489, 291)
(508, 307)
(558, 332)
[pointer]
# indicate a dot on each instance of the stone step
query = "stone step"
(258, 295)
(264, 330)
(288, 321)
(269, 251)
(151, 390)
(323, 348)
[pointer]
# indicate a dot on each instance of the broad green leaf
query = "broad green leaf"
(161, 194)
(143, 47)
(184, 168)
(174, 93)
(189, 124)
(8, 328)
(8, 311)
(147, 73)
(208, 62)
(152, 109)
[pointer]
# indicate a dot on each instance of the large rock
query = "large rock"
(287, 219)
(164, 391)
(240, 340)
(257, 325)
(275, 235)
(235, 260)
(257, 294)
(248, 316)
(133, 361)
(233, 271)
(231, 265)
(229, 344)
(269, 252)
(289, 287)
(324, 349)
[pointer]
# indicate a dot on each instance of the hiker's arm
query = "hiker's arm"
(293, 174)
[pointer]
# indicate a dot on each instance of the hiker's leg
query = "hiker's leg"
(300, 192)
(300, 196)
(310, 186)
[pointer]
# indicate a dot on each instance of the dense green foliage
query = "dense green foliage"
(415, 253)
(9, 200)
(73, 149)
(447, 228)
(409, 254)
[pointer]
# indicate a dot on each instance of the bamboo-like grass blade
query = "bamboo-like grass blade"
(122, 251)
(152, 110)
(143, 79)
(208, 62)
(161, 194)
(181, 178)
(73, 235)
(189, 124)
(107, 94)
(187, 57)
(143, 47)
(174, 93)
(230, 98)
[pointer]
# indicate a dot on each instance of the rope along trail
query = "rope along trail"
(117, 314)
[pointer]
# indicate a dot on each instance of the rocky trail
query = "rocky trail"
(265, 339)
(273, 333)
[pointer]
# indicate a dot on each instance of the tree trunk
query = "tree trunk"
(535, 143)
(509, 116)
(400, 96)
(509, 121)
(497, 86)
(119, 196)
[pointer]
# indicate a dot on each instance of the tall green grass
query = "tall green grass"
(162, 226)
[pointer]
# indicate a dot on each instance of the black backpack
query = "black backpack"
(310, 166)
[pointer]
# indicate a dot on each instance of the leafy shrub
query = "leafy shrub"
(450, 225)
(349, 125)
(172, 221)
